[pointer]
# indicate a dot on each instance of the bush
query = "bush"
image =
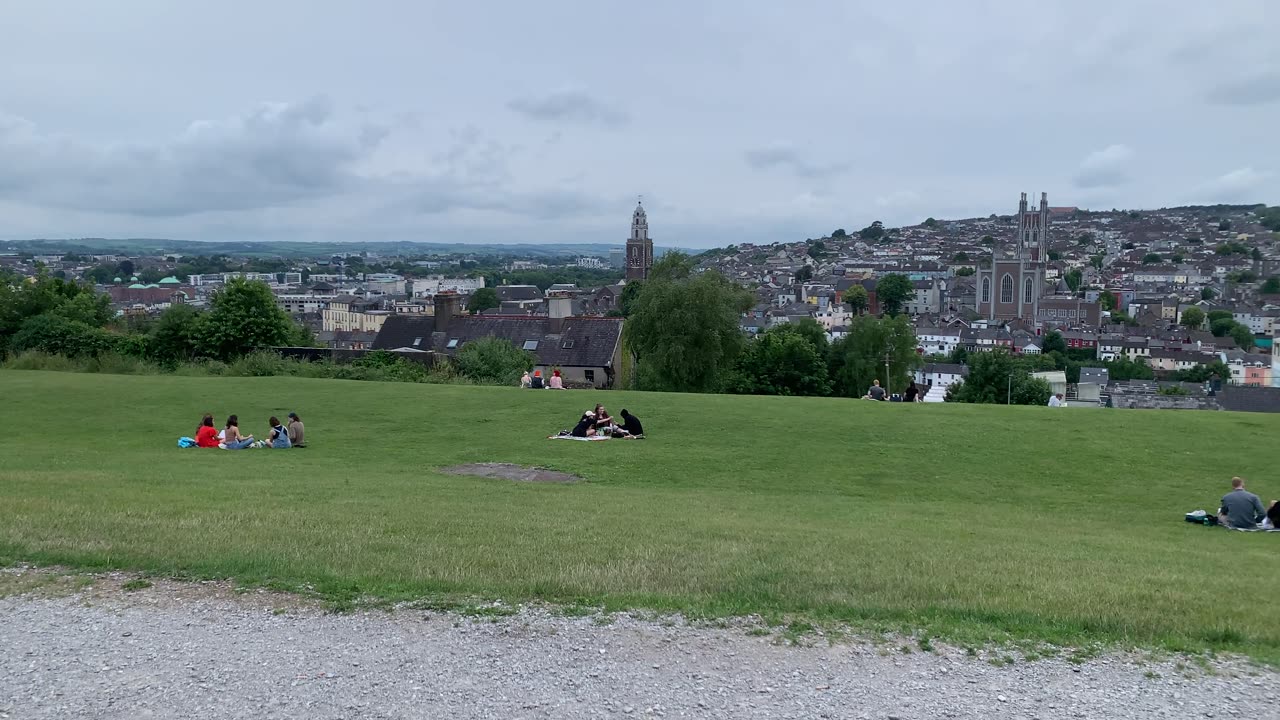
(263, 363)
(57, 335)
(36, 360)
(493, 361)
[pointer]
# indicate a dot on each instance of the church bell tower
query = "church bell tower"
(639, 246)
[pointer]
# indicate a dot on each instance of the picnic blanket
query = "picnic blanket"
(1200, 517)
(572, 437)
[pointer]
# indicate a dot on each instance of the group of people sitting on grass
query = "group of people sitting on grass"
(911, 394)
(536, 382)
(598, 423)
(279, 436)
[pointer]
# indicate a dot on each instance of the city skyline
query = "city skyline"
(439, 124)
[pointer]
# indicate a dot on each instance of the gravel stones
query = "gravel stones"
(166, 653)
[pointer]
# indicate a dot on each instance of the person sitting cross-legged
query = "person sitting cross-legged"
(631, 425)
(1240, 509)
(231, 437)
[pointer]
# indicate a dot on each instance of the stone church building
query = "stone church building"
(639, 246)
(1014, 285)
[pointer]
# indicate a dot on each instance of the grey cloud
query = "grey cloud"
(573, 106)
(1258, 89)
(1240, 185)
(276, 154)
(1107, 167)
(785, 157)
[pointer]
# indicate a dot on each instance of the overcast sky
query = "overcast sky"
(536, 122)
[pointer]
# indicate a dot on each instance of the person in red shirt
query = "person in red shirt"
(207, 435)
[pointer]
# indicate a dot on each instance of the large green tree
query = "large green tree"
(856, 298)
(175, 336)
(996, 378)
(859, 358)
(782, 361)
(243, 316)
(486, 298)
(21, 300)
(684, 327)
(1053, 342)
(1192, 318)
(893, 291)
(493, 361)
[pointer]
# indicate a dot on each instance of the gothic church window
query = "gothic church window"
(1026, 291)
(1006, 288)
(986, 289)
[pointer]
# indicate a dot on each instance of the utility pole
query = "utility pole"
(1008, 395)
(887, 392)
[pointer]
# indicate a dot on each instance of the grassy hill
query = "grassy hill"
(968, 522)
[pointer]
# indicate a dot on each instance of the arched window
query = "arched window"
(1006, 288)
(1026, 291)
(986, 289)
(1026, 237)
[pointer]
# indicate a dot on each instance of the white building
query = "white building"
(592, 263)
(937, 377)
(435, 284)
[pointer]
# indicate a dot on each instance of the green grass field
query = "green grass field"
(970, 523)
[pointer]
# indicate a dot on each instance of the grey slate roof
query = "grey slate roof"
(581, 342)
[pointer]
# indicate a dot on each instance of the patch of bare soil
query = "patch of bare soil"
(507, 471)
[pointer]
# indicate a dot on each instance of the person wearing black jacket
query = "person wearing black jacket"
(631, 424)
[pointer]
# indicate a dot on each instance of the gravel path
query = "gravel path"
(182, 651)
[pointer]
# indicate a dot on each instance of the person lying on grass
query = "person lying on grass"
(231, 437)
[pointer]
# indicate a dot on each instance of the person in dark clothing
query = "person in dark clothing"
(586, 427)
(1273, 515)
(631, 424)
(912, 393)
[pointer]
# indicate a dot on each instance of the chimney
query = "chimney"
(446, 308)
(559, 307)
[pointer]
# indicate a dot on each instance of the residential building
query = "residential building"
(586, 350)
(348, 313)
(937, 377)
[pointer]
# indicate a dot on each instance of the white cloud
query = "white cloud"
(1243, 185)
(1257, 89)
(785, 157)
(571, 106)
(1105, 168)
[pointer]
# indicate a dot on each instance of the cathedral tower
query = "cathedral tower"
(639, 246)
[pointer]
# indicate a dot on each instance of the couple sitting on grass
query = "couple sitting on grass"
(279, 436)
(598, 423)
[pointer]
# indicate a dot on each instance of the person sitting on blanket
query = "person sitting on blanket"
(207, 435)
(1272, 520)
(231, 437)
(1240, 509)
(631, 425)
(603, 420)
(586, 427)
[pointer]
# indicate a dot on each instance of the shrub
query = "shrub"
(493, 361)
(36, 360)
(263, 363)
(55, 334)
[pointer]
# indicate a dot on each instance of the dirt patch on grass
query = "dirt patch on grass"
(507, 471)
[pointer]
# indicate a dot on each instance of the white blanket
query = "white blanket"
(572, 437)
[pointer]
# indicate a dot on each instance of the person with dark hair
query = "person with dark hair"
(631, 425)
(279, 437)
(1272, 522)
(1240, 508)
(206, 434)
(231, 437)
(297, 436)
(586, 427)
(912, 394)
